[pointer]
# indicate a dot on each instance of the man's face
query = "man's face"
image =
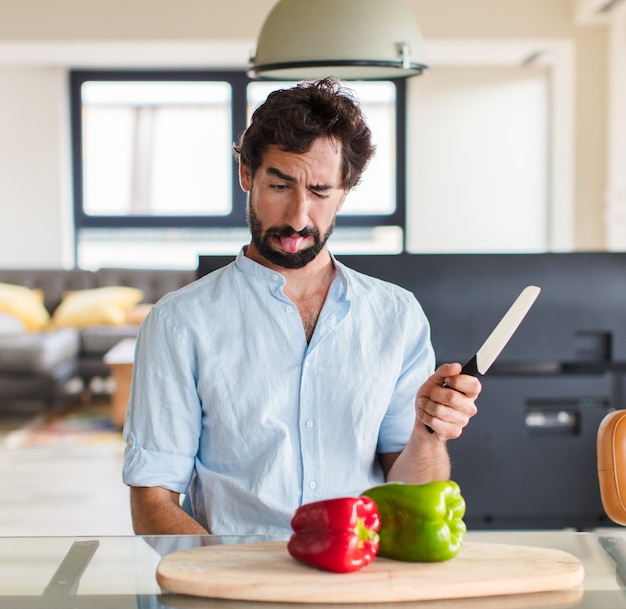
(292, 203)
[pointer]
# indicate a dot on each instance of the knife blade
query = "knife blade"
(481, 361)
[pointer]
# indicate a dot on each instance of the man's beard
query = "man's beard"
(263, 242)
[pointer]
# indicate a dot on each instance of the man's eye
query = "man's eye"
(278, 187)
(321, 195)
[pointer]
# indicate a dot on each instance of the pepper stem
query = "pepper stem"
(363, 532)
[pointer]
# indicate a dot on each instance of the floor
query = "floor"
(72, 490)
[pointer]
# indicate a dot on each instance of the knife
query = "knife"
(501, 334)
(481, 361)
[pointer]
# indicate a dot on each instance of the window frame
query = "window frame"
(237, 217)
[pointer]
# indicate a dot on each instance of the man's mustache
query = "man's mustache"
(287, 231)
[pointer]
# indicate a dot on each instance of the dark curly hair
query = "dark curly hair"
(294, 118)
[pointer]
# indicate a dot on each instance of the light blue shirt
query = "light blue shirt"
(230, 404)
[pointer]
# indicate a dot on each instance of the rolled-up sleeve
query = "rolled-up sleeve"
(163, 422)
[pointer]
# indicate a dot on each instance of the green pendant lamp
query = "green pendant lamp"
(349, 39)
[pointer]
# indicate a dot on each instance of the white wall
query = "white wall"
(478, 162)
(35, 193)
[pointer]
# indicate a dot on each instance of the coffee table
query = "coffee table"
(120, 360)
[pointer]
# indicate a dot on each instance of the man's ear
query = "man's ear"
(343, 199)
(245, 177)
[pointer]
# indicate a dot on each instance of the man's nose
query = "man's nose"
(298, 212)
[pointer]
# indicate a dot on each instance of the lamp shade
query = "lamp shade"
(349, 39)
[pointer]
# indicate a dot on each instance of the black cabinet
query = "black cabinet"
(528, 458)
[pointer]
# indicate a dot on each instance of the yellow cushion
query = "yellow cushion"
(98, 306)
(24, 303)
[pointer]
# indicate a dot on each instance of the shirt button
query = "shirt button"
(312, 484)
(288, 309)
(275, 277)
(309, 424)
(306, 364)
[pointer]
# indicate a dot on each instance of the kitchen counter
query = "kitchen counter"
(119, 572)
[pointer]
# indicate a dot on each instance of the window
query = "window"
(156, 148)
(154, 170)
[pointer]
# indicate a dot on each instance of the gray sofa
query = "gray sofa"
(36, 367)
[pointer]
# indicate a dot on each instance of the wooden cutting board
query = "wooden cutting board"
(266, 572)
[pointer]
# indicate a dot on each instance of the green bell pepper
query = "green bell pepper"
(420, 522)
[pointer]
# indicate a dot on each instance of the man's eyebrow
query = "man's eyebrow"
(279, 174)
(283, 176)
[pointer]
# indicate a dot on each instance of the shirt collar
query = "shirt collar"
(250, 267)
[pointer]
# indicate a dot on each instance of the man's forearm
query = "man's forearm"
(444, 405)
(422, 460)
(156, 511)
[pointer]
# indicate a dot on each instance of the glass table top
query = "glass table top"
(119, 572)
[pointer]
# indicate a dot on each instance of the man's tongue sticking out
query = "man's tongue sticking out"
(291, 244)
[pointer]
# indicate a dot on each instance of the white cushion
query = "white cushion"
(11, 325)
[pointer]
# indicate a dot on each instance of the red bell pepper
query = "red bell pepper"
(336, 534)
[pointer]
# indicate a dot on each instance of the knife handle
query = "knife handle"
(471, 368)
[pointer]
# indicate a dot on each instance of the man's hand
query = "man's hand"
(445, 402)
